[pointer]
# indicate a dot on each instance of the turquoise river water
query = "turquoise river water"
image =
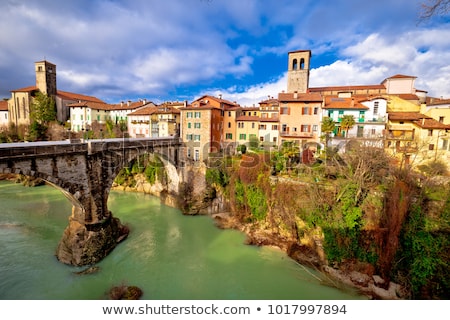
(168, 255)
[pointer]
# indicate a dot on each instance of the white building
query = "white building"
(4, 120)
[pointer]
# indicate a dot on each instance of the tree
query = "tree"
(434, 7)
(43, 109)
(347, 122)
(328, 126)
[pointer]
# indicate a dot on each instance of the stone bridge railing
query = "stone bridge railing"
(84, 171)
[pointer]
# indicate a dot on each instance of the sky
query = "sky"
(176, 50)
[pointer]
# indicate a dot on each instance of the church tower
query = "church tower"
(46, 77)
(298, 71)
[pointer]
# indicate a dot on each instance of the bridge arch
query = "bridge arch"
(85, 172)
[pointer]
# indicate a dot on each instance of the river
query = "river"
(167, 254)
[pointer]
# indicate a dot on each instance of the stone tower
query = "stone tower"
(298, 71)
(46, 77)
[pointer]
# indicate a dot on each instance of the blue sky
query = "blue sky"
(181, 49)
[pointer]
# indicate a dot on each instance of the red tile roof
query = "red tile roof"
(299, 97)
(401, 76)
(406, 116)
(26, 89)
(431, 124)
(348, 88)
(248, 118)
(91, 104)
(76, 96)
(334, 102)
(3, 105)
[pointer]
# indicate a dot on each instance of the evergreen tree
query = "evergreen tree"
(43, 109)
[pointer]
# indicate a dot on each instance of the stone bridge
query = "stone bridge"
(84, 172)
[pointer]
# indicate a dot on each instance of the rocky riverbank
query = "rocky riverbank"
(353, 274)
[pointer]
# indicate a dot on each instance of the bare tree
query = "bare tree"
(433, 8)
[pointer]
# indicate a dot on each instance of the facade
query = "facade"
(21, 99)
(4, 120)
(229, 128)
(85, 114)
(438, 109)
(247, 128)
(154, 121)
(202, 126)
(300, 117)
(298, 71)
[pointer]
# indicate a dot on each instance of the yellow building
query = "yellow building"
(247, 129)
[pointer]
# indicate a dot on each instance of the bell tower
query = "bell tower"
(298, 71)
(46, 77)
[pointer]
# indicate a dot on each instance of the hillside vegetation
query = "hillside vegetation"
(354, 212)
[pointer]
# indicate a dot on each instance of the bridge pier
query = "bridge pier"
(84, 172)
(87, 243)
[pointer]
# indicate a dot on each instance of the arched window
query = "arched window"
(294, 64)
(302, 63)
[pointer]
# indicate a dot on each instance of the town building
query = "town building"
(247, 128)
(155, 121)
(86, 114)
(19, 105)
(300, 117)
(202, 126)
(4, 119)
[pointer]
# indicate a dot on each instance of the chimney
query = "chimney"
(220, 96)
(121, 103)
(144, 101)
(128, 103)
(295, 94)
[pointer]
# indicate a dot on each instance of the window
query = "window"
(302, 63)
(294, 64)
(305, 110)
(305, 128)
(444, 144)
(375, 107)
(253, 125)
(284, 110)
(197, 125)
(284, 128)
(294, 129)
(189, 152)
(261, 138)
(430, 133)
(274, 127)
(242, 136)
(196, 137)
(441, 119)
(189, 125)
(81, 117)
(275, 139)
(316, 110)
(315, 127)
(197, 155)
(229, 124)
(189, 137)
(229, 136)
(189, 115)
(98, 117)
(262, 127)
(196, 114)
(229, 113)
